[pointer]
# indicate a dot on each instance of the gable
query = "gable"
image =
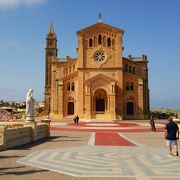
(100, 76)
(100, 25)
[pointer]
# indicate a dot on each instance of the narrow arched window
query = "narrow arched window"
(90, 42)
(49, 43)
(99, 39)
(68, 86)
(73, 87)
(50, 54)
(130, 69)
(134, 70)
(127, 86)
(126, 67)
(132, 86)
(113, 43)
(109, 41)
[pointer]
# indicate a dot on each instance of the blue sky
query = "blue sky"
(151, 28)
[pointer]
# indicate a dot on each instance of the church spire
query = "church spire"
(51, 31)
(99, 17)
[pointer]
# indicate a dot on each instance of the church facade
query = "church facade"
(100, 83)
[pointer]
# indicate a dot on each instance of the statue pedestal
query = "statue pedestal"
(29, 119)
(32, 124)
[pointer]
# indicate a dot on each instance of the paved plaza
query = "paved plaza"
(94, 150)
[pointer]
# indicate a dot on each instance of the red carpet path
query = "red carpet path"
(111, 139)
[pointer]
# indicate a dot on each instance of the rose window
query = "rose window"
(99, 56)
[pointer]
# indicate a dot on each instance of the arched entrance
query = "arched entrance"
(130, 108)
(100, 101)
(70, 108)
(100, 105)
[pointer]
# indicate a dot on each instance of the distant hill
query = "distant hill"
(164, 113)
(165, 110)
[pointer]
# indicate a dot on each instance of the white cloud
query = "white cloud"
(7, 4)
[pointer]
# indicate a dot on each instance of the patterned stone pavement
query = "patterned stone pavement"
(106, 161)
(82, 152)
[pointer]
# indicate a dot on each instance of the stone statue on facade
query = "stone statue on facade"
(30, 106)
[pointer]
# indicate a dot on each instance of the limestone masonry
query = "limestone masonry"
(100, 83)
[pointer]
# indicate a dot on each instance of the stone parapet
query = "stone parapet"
(17, 136)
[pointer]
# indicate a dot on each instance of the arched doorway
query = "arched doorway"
(70, 108)
(130, 108)
(100, 105)
(100, 100)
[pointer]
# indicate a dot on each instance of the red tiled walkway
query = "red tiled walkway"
(111, 139)
(106, 127)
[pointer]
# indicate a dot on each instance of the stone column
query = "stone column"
(140, 99)
(112, 107)
(60, 99)
(81, 93)
(87, 101)
(88, 106)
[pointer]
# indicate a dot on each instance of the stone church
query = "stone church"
(99, 83)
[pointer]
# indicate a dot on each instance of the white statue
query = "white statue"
(30, 106)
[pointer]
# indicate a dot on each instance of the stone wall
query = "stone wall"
(12, 137)
(42, 131)
(17, 136)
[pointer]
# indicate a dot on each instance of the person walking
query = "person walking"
(77, 119)
(152, 123)
(171, 136)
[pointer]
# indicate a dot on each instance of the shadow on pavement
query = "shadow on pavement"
(22, 172)
(51, 139)
(32, 144)
(4, 157)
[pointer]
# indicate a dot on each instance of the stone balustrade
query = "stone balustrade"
(20, 134)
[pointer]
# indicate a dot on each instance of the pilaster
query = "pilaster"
(140, 98)
(60, 98)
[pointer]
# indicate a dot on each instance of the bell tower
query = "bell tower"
(50, 51)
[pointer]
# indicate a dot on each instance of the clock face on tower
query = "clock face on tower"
(99, 56)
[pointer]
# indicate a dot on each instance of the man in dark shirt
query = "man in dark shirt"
(172, 135)
(77, 119)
